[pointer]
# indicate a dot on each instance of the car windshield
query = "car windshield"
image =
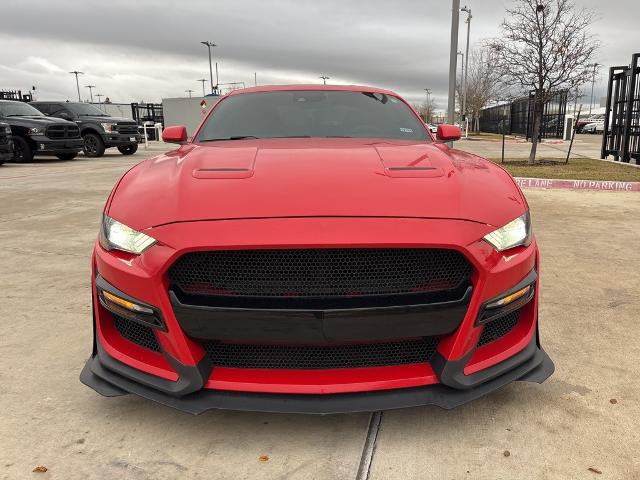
(85, 110)
(312, 113)
(18, 109)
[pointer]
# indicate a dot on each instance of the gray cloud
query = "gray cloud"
(146, 50)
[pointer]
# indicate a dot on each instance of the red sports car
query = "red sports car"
(314, 249)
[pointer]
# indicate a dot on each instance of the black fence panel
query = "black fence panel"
(621, 137)
(15, 95)
(147, 112)
(517, 117)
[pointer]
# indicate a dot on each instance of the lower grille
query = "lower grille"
(136, 333)
(499, 328)
(298, 357)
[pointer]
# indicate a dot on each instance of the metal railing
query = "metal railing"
(621, 137)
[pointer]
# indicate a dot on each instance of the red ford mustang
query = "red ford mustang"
(314, 249)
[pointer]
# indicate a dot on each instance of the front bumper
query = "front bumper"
(120, 139)
(6, 151)
(46, 145)
(180, 374)
(111, 378)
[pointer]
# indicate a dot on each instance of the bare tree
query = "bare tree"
(426, 109)
(545, 46)
(483, 84)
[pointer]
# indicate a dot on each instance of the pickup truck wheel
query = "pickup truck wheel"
(67, 156)
(93, 145)
(128, 149)
(22, 151)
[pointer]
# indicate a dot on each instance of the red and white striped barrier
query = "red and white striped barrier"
(554, 183)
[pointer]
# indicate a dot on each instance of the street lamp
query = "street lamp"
(203, 80)
(90, 90)
(189, 91)
(453, 59)
(466, 71)
(209, 45)
(593, 82)
(461, 77)
(324, 78)
(76, 73)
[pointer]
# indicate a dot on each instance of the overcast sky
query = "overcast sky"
(135, 50)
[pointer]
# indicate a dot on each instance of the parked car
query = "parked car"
(34, 134)
(98, 129)
(580, 124)
(325, 255)
(6, 144)
(594, 127)
(432, 127)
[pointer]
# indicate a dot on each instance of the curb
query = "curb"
(557, 184)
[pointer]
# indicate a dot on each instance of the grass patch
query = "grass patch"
(576, 169)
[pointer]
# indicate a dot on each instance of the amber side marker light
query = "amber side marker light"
(110, 297)
(510, 298)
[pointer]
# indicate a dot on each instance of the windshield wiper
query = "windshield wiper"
(238, 137)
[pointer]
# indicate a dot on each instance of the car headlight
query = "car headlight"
(7, 130)
(108, 127)
(513, 234)
(117, 236)
(37, 131)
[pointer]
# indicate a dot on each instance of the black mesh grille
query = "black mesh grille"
(498, 328)
(319, 272)
(136, 333)
(300, 357)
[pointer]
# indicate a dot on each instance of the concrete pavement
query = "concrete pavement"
(49, 214)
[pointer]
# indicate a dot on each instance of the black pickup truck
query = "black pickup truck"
(35, 134)
(6, 144)
(98, 129)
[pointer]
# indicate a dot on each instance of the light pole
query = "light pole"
(189, 91)
(99, 95)
(453, 60)
(203, 80)
(76, 73)
(90, 91)
(255, 79)
(461, 78)
(593, 82)
(324, 78)
(209, 45)
(466, 71)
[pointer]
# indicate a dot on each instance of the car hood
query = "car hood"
(314, 177)
(36, 121)
(105, 119)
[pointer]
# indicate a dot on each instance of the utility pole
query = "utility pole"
(76, 73)
(466, 72)
(189, 91)
(255, 79)
(209, 45)
(453, 60)
(90, 90)
(203, 80)
(324, 78)
(593, 82)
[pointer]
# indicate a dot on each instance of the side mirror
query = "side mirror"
(448, 133)
(176, 134)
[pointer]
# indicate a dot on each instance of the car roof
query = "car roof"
(315, 87)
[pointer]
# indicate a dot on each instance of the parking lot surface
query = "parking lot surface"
(586, 416)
